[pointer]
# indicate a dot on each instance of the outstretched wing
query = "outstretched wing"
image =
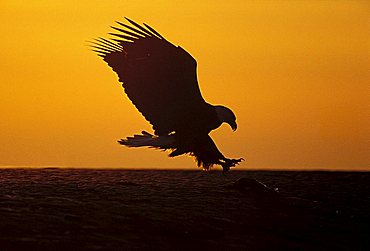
(159, 78)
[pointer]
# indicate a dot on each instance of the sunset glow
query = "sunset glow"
(296, 74)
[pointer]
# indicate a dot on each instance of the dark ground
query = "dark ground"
(71, 209)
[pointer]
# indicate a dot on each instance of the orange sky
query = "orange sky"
(296, 73)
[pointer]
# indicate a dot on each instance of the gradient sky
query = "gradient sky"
(296, 73)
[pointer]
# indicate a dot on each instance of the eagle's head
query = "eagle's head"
(224, 114)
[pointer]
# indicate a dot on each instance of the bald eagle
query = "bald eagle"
(161, 81)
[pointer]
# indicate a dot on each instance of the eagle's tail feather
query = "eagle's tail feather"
(203, 150)
(149, 140)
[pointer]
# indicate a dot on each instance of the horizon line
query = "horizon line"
(293, 169)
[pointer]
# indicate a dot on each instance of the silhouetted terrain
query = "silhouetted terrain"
(66, 209)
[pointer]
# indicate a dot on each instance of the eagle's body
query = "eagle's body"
(161, 81)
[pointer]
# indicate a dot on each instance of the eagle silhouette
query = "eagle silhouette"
(161, 81)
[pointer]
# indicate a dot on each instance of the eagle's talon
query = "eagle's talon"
(230, 163)
(240, 160)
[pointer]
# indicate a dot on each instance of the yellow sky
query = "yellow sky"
(296, 73)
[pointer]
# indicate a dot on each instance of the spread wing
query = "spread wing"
(159, 78)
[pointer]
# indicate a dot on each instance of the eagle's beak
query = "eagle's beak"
(233, 125)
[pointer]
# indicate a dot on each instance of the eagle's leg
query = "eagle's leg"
(229, 163)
